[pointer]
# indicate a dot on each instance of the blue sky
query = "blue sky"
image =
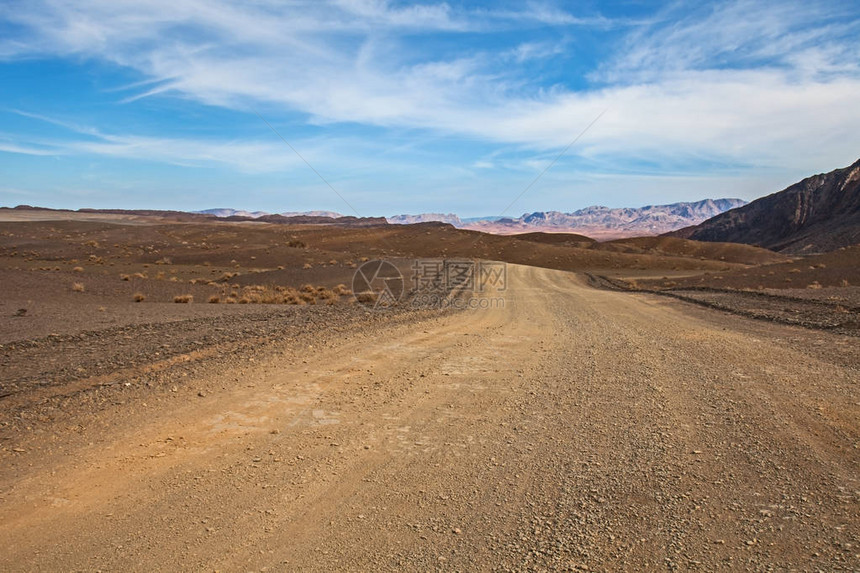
(408, 107)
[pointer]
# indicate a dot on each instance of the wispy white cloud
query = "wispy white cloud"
(745, 82)
(19, 149)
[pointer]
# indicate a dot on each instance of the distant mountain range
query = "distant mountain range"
(449, 218)
(598, 222)
(223, 213)
(820, 213)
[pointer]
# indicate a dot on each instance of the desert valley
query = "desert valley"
(187, 392)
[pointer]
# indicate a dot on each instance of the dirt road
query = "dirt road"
(572, 428)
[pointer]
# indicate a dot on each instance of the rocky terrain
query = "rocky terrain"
(199, 394)
(571, 429)
(818, 214)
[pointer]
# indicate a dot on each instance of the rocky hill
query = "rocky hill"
(819, 214)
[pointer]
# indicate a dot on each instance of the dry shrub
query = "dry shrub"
(164, 261)
(341, 290)
(78, 269)
(308, 298)
(93, 244)
(139, 275)
(159, 276)
(333, 262)
(227, 276)
(366, 297)
(845, 283)
(814, 285)
(183, 298)
(139, 297)
(214, 299)
(230, 300)
(326, 294)
(307, 266)
(364, 259)
(124, 278)
(78, 287)
(308, 288)
(795, 270)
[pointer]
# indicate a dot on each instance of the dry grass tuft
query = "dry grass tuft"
(124, 278)
(814, 285)
(78, 270)
(366, 297)
(78, 287)
(214, 299)
(183, 298)
(139, 297)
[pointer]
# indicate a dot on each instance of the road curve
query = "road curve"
(573, 428)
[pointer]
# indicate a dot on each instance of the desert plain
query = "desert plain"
(179, 393)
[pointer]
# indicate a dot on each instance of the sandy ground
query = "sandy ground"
(573, 428)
